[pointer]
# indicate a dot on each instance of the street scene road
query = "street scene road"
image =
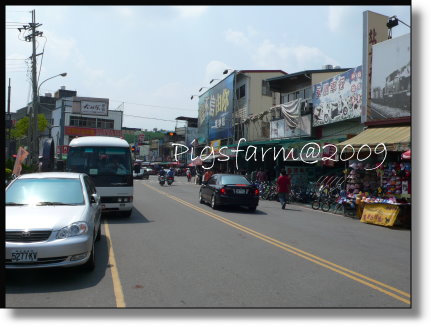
(175, 252)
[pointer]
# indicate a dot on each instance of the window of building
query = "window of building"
(265, 89)
(240, 92)
(91, 122)
(105, 124)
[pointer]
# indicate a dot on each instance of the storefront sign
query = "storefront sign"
(215, 144)
(141, 138)
(90, 106)
(374, 31)
(380, 214)
(79, 131)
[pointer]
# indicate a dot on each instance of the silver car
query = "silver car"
(52, 220)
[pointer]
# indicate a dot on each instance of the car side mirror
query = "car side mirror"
(94, 198)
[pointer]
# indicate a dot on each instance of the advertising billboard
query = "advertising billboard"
(391, 80)
(338, 98)
(215, 111)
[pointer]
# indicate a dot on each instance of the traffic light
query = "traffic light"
(133, 149)
(171, 134)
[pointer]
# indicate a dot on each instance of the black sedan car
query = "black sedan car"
(229, 189)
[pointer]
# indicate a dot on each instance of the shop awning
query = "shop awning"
(394, 138)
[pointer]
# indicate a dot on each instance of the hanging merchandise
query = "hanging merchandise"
(406, 155)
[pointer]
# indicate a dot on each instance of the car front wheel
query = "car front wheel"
(91, 263)
(201, 200)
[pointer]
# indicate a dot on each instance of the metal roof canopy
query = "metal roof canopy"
(395, 138)
(279, 82)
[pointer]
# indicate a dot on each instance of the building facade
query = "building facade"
(83, 116)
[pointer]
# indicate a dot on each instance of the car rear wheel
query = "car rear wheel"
(252, 208)
(213, 203)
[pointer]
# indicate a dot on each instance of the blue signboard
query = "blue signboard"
(215, 111)
(338, 98)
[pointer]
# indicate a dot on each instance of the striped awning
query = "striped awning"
(394, 138)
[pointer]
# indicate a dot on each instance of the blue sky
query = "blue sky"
(153, 58)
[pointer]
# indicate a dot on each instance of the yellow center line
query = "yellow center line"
(308, 256)
(118, 290)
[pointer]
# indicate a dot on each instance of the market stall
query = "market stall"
(379, 187)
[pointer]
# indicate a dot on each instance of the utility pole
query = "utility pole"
(34, 143)
(9, 121)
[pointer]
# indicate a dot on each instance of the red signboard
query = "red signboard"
(80, 131)
(62, 149)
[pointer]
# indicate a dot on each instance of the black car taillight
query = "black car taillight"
(223, 191)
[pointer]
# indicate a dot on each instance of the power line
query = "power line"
(150, 118)
(158, 106)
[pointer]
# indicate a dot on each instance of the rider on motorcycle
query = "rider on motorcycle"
(171, 173)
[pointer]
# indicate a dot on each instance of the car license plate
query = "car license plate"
(24, 255)
(241, 191)
(122, 205)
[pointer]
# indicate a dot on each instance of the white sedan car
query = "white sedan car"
(52, 220)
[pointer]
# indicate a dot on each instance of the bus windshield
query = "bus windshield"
(99, 161)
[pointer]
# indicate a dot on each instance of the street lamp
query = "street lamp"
(214, 80)
(62, 74)
(35, 150)
(202, 88)
(227, 70)
(193, 96)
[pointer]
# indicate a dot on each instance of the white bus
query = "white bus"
(108, 161)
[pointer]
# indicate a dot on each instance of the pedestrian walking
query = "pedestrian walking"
(283, 187)
(208, 175)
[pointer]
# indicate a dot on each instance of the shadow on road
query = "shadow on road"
(27, 281)
(116, 218)
(240, 209)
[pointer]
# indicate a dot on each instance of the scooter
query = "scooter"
(162, 180)
(170, 180)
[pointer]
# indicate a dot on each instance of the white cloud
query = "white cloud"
(190, 11)
(62, 48)
(236, 37)
(339, 16)
(291, 59)
(125, 12)
(240, 38)
(214, 70)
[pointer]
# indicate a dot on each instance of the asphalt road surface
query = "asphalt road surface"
(174, 252)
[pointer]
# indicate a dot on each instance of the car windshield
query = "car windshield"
(44, 192)
(234, 179)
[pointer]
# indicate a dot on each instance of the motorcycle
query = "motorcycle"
(170, 180)
(162, 180)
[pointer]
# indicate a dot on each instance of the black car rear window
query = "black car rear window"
(234, 179)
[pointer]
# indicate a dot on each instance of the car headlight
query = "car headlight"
(75, 229)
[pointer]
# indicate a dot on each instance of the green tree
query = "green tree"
(20, 129)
